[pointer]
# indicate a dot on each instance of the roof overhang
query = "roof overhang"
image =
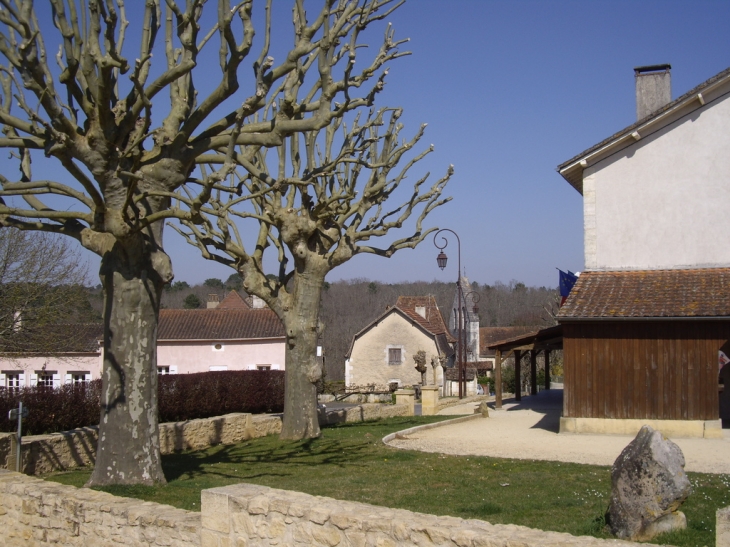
(699, 97)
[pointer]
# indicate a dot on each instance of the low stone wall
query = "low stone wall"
(39, 513)
(361, 413)
(246, 514)
(43, 454)
(446, 402)
(722, 529)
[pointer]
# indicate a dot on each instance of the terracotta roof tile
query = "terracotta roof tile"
(433, 321)
(233, 300)
(219, 324)
(656, 293)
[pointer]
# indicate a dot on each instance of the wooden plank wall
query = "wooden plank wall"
(665, 370)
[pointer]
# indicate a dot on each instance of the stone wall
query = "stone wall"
(246, 514)
(43, 454)
(36, 512)
(722, 530)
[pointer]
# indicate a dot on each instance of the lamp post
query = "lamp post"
(441, 260)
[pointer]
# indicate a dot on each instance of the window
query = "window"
(163, 370)
(394, 356)
(79, 378)
(263, 367)
(12, 380)
(45, 379)
(218, 347)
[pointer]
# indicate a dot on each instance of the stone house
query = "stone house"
(647, 321)
(382, 353)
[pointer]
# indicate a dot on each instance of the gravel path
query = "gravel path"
(529, 430)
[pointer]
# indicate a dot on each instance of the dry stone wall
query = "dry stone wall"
(34, 512)
(246, 514)
(43, 454)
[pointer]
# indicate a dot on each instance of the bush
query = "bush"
(205, 394)
(180, 397)
(52, 409)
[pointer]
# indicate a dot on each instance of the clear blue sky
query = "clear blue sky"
(511, 89)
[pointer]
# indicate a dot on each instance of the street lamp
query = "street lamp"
(461, 338)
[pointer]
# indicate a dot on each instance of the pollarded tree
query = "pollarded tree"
(316, 205)
(71, 94)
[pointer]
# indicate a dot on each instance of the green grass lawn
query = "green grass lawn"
(350, 462)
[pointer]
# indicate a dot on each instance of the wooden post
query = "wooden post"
(498, 379)
(547, 369)
(533, 372)
(518, 375)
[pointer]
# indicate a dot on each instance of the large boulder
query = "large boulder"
(648, 486)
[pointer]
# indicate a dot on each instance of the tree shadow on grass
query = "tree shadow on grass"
(281, 458)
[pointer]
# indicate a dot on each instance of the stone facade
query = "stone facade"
(246, 514)
(369, 358)
(34, 512)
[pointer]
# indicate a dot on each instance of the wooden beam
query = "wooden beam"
(533, 372)
(518, 375)
(498, 379)
(547, 369)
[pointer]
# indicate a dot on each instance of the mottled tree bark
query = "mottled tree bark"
(303, 369)
(129, 447)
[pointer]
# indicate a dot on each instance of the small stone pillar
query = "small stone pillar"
(429, 400)
(406, 397)
(722, 530)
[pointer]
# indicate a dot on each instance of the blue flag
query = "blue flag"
(567, 280)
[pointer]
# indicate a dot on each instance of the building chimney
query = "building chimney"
(213, 301)
(421, 310)
(257, 303)
(653, 89)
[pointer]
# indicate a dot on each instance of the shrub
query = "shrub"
(180, 397)
(52, 409)
(202, 395)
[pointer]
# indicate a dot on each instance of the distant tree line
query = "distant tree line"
(349, 306)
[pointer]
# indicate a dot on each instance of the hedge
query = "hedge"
(180, 397)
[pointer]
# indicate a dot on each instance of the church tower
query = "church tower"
(470, 320)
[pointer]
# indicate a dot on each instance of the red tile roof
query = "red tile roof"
(233, 300)
(656, 293)
(219, 324)
(433, 322)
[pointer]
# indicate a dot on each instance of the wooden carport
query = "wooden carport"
(545, 340)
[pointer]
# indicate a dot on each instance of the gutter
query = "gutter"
(642, 318)
(636, 133)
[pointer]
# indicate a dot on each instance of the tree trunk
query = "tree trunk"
(129, 447)
(303, 369)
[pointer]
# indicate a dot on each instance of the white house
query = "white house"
(645, 326)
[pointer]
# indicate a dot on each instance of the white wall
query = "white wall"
(60, 367)
(664, 201)
(187, 357)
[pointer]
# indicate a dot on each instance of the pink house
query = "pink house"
(232, 336)
(238, 334)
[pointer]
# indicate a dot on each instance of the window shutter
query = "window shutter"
(33, 380)
(2, 379)
(68, 379)
(56, 380)
(22, 379)
(173, 369)
(87, 377)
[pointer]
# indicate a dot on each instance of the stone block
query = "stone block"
(722, 529)
(214, 511)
